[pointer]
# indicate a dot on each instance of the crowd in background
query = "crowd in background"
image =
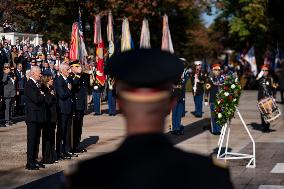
(16, 61)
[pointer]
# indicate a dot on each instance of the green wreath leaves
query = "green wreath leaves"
(227, 100)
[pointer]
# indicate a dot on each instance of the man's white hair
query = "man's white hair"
(63, 67)
(35, 69)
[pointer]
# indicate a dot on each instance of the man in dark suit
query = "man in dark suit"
(79, 92)
(9, 88)
(35, 117)
(146, 158)
(21, 80)
(64, 95)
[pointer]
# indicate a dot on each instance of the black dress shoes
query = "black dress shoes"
(39, 164)
(79, 150)
(32, 166)
(72, 154)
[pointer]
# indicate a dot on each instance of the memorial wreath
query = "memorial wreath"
(227, 100)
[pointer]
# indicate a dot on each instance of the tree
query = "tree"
(54, 19)
(245, 22)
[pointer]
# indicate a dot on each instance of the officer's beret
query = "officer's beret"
(145, 68)
(74, 63)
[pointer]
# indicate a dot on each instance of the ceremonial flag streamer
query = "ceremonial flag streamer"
(110, 36)
(145, 35)
(98, 41)
(167, 44)
(74, 46)
(126, 40)
(250, 58)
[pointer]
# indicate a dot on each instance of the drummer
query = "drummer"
(265, 90)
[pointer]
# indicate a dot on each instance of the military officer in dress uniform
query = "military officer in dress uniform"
(198, 79)
(111, 95)
(185, 76)
(97, 92)
(177, 128)
(265, 89)
(79, 93)
(146, 158)
(212, 88)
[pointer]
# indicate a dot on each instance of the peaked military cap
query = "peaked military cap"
(74, 63)
(145, 68)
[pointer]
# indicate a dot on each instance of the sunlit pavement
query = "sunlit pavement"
(104, 133)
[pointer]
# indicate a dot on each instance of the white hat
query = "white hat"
(197, 63)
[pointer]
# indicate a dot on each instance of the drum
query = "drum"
(269, 109)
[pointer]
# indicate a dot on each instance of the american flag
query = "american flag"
(82, 47)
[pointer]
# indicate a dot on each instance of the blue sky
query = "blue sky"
(208, 19)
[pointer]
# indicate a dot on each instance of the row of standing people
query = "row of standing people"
(55, 107)
(198, 79)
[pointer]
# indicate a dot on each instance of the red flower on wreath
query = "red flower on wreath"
(230, 98)
(226, 88)
(218, 109)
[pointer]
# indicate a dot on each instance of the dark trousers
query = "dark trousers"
(265, 126)
(33, 140)
(282, 96)
(215, 128)
(63, 133)
(183, 103)
(7, 108)
(48, 143)
(20, 103)
(111, 103)
(77, 128)
(97, 101)
(198, 99)
(176, 116)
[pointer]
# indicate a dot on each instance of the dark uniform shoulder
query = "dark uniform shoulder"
(88, 172)
(213, 172)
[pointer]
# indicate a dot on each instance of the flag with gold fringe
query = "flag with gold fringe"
(74, 46)
(167, 44)
(98, 41)
(126, 40)
(145, 35)
(110, 36)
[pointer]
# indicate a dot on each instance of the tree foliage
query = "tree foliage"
(54, 19)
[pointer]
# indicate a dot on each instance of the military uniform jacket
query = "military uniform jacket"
(200, 84)
(212, 88)
(265, 88)
(79, 91)
(149, 162)
(178, 91)
(98, 87)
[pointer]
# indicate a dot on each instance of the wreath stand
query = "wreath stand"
(231, 155)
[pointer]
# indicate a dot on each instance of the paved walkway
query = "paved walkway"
(102, 134)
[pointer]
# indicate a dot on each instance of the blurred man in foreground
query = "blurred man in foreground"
(146, 158)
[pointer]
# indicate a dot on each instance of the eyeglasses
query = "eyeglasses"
(265, 70)
(216, 70)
